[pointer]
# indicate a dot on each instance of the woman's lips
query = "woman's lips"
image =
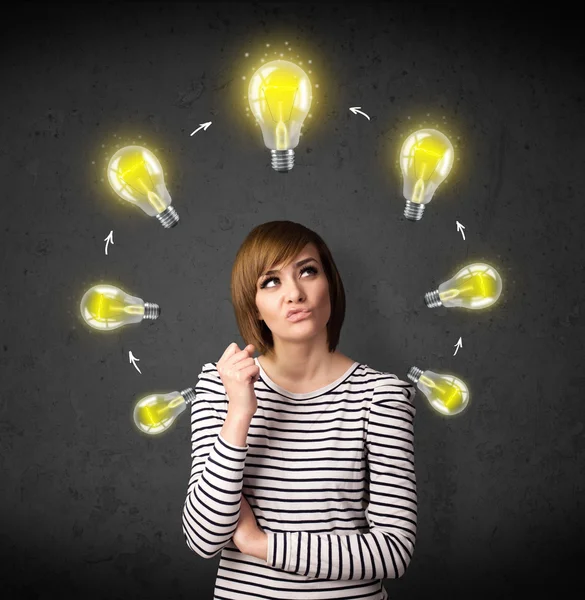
(299, 316)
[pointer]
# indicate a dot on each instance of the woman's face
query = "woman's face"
(296, 286)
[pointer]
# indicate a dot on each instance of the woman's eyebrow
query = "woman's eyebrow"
(300, 263)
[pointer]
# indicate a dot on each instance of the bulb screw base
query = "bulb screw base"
(151, 311)
(283, 160)
(432, 299)
(414, 374)
(413, 211)
(189, 395)
(168, 217)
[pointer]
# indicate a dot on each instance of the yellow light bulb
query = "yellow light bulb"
(156, 413)
(136, 175)
(107, 307)
(476, 286)
(447, 394)
(280, 98)
(426, 157)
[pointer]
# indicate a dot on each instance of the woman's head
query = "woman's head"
(262, 300)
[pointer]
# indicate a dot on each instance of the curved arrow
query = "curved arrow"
(109, 239)
(202, 126)
(132, 359)
(460, 228)
(355, 110)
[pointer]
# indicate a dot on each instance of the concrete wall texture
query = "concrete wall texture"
(91, 507)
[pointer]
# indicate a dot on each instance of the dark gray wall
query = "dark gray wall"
(91, 507)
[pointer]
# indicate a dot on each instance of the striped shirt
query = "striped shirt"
(329, 475)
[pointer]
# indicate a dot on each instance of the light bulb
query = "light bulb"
(156, 413)
(136, 175)
(447, 394)
(280, 98)
(107, 307)
(426, 157)
(475, 286)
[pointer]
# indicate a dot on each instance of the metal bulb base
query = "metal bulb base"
(168, 217)
(189, 395)
(151, 311)
(282, 160)
(413, 211)
(432, 299)
(414, 374)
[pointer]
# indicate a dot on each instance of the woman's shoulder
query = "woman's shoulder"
(388, 379)
(371, 375)
(209, 373)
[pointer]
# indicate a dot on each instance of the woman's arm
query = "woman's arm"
(386, 550)
(218, 452)
(248, 537)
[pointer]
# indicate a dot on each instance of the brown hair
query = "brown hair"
(266, 246)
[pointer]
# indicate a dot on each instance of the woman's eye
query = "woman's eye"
(309, 269)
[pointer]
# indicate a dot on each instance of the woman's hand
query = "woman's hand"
(238, 373)
(248, 537)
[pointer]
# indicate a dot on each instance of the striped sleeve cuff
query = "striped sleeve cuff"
(278, 555)
(232, 446)
(291, 551)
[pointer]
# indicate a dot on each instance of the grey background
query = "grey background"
(89, 506)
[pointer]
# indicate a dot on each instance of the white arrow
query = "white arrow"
(132, 358)
(202, 126)
(109, 239)
(460, 228)
(354, 110)
(458, 345)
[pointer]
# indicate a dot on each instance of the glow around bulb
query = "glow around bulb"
(108, 307)
(136, 175)
(426, 158)
(156, 413)
(280, 97)
(447, 394)
(475, 287)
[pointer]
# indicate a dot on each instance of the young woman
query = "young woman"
(303, 472)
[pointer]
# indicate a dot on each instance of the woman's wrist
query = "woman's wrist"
(258, 547)
(235, 429)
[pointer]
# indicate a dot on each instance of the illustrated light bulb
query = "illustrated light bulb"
(447, 394)
(136, 175)
(426, 157)
(156, 413)
(280, 98)
(475, 286)
(107, 307)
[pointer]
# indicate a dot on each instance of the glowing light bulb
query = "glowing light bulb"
(426, 157)
(108, 307)
(280, 97)
(136, 175)
(156, 413)
(447, 394)
(475, 286)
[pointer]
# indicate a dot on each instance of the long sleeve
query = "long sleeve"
(386, 549)
(212, 507)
